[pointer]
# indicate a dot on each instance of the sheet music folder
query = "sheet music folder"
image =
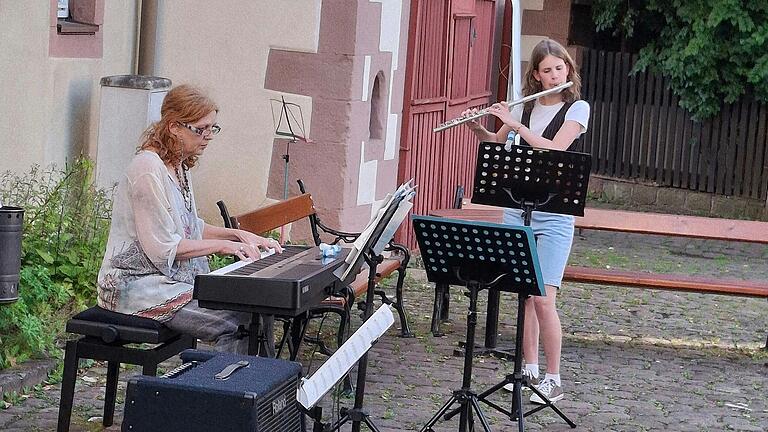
(379, 231)
(333, 370)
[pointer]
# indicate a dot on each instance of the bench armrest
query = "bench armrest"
(347, 237)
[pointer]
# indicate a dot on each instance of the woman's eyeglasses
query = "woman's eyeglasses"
(203, 132)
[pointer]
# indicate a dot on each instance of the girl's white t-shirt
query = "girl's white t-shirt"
(542, 115)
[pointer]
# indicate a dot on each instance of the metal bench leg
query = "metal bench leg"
(110, 394)
(437, 309)
(67, 386)
(405, 329)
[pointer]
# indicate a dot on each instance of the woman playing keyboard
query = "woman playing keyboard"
(157, 244)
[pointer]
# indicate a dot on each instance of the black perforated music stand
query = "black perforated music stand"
(529, 179)
(478, 256)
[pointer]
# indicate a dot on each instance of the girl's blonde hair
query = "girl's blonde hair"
(183, 104)
(541, 50)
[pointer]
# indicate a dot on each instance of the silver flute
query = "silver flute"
(485, 111)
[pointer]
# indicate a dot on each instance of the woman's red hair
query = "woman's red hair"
(183, 104)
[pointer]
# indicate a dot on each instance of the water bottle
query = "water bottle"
(329, 250)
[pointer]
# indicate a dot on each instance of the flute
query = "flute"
(485, 111)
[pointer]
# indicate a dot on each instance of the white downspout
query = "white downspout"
(514, 88)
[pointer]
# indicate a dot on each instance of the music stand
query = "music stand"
(529, 179)
(479, 256)
(284, 124)
(370, 252)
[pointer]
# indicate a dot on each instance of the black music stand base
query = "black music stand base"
(466, 398)
(356, 416)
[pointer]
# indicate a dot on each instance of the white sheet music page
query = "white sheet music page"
(315, 387)
(403, 207)
(404, 193)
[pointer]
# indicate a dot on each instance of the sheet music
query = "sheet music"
(315, 387)
(237, 264)
(400, 198)
(397, 219)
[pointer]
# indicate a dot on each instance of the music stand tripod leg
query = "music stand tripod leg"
(519, 381)
(465, 397)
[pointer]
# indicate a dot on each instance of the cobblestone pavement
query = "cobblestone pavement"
(633, 360)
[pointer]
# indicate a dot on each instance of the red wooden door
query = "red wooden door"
(450, 59)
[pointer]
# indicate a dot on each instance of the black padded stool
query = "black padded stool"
(105, 334)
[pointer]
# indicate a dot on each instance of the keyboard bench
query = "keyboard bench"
(105, 336)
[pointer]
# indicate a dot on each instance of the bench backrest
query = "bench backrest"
(275, 215)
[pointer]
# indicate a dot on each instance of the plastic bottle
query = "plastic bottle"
(329, 250)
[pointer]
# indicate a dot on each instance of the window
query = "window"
(76, 28)
(378, 109)
(67, 24)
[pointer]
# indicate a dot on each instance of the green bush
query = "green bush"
(713, 51)
(66, 224)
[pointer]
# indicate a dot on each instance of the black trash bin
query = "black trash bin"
(11, 223)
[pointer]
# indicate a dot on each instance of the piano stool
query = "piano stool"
(104, 336)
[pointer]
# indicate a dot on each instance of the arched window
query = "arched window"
(378, 108)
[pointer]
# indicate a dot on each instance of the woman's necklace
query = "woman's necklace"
(181, 175)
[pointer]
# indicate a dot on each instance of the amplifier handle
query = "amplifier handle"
(229, 370)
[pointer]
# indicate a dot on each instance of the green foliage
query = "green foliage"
(616, 17)
(66, 224)
(216, 261)
(30, 325)
(713, 51)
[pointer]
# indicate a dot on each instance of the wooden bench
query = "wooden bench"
(645, 223)
(268, 218)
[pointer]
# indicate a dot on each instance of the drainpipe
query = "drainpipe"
(147, 37)
(136, 39)
(514, 89)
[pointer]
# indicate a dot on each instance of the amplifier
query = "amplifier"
(213, 391)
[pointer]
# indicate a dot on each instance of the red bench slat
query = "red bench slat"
(675, 282)
(637, 222)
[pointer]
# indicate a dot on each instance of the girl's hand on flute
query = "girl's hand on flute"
(501, 110)
(473, 125)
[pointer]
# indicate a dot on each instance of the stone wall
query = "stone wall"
(625, 194)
